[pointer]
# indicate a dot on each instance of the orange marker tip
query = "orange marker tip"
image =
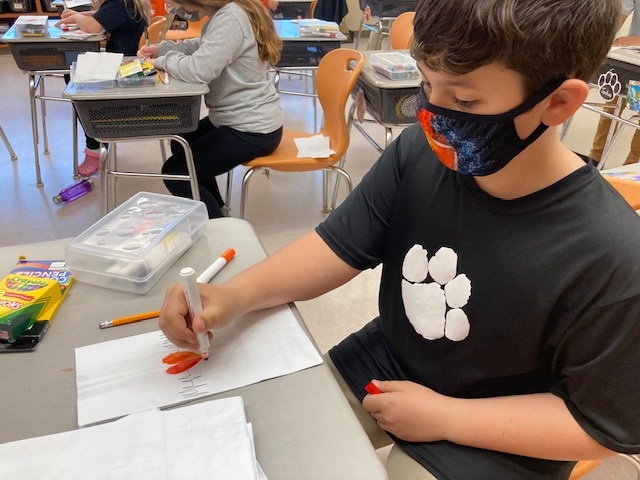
(228, 254)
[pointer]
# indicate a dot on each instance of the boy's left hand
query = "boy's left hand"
(408, 410)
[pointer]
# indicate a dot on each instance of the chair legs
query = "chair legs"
(244, 194)
(8, 145)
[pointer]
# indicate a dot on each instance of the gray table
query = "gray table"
(303, 426)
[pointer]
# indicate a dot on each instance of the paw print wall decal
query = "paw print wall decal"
(434, 294)
(609, 85)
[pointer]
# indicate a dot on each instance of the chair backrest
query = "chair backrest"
(401, 32)
(337, 74)
(155, 31)
(629, 189)
(193, 30)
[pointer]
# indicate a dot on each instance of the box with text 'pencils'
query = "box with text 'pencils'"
(22, 300)
(131, 247)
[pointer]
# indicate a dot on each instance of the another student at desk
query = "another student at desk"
(124, 22)
(507, 341)
(232, 55)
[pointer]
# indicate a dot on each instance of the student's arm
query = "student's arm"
(536, 425)
(304, 269)
(85, 23)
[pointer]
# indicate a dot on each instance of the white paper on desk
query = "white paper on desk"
(210, 439)
(132, 447)
(316, 146)
(81, 35)
(127, 375)
(93, 67)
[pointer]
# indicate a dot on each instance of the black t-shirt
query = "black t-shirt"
(484, 297)
(124, 26)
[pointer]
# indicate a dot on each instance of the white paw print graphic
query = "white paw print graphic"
(434, 308)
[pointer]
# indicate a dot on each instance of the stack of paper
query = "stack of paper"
(317, 28)
(207, 440)
(95, 67)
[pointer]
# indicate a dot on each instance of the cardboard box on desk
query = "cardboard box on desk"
(23, 300)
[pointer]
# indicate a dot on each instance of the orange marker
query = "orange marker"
(216, 266)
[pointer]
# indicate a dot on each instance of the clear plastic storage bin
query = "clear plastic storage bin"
(133, 246)
(395, 65)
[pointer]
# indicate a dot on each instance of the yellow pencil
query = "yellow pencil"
(130, 319)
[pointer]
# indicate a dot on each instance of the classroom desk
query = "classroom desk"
(624, 63)
(391, 103)
(302, 424)
(303, 52)
(133, 114)
(39, 57)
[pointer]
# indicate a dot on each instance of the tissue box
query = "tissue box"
(133, 246)
(22, 300)
(395, 65)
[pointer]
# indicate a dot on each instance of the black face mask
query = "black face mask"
(478, 144)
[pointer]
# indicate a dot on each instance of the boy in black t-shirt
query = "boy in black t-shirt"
(506, 345)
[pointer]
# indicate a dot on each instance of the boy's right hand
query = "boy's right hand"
(174, 318)
(150, 51)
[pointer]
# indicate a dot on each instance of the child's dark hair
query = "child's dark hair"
(539, 39)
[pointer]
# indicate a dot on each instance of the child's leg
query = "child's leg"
(400, 466)
(600, 137)
(634, 152)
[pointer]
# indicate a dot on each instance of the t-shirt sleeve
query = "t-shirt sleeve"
(357, 230)
(598, 377)
(111, 15)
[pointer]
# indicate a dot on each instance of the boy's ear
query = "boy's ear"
(565, 101)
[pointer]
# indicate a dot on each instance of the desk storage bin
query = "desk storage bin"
(395, 65)
(142, 117)
(305, 54)
(137, 80)
(35, 56)
(394, 106)
(133, 246)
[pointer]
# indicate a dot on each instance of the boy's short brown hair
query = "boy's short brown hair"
(539, 39)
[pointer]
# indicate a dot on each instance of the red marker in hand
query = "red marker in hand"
(372, 389)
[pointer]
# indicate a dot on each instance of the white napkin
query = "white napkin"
(93, 67)
(316, 146)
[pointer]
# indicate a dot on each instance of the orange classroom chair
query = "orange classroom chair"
(192, 31)
(337, 74)
(401, 31)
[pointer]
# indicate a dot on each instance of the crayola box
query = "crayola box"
(22, 300)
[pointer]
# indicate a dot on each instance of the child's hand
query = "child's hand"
(68, 20)
(630, 41)
(408, 410)
(150, 51)
(67, 13)
(219, 308)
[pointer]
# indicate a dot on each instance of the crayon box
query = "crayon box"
(22, 300)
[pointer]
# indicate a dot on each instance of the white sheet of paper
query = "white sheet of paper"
(127, 375)
(93, 67)
(210, 439)
(132, 447)
(316, 146)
